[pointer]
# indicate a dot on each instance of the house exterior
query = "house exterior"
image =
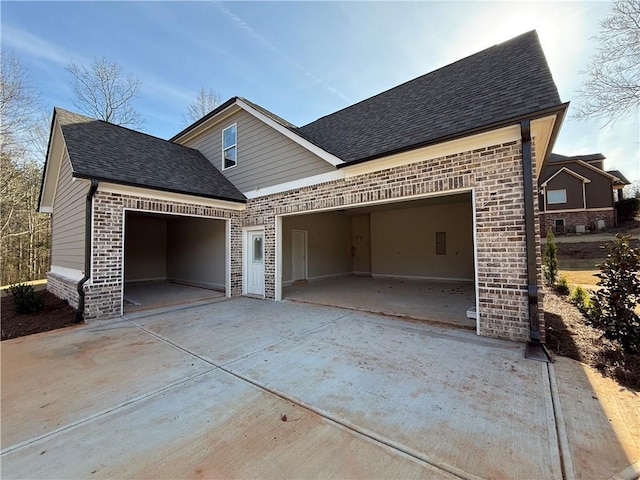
(433, 179)
(577, 195)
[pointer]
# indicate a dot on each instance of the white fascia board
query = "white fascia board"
(332, 159)
(195, 132)
(541, 130)
(570, 172)
(53, 164)
(107, 187)
(597, 170)
(466, 144)
(294, 184)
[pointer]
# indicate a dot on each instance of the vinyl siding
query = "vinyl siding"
(67, 229)
(599, 191)
(573, 186)
(265, 156)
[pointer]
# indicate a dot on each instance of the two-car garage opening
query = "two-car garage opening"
(411, 259)
(171, 260)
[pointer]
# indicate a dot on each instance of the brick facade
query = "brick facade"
(103, 293)
(588, 218)
(493, 173)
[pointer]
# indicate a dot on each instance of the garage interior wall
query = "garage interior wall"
(185, 249)
(196, 251)
(145, 248)
(387, 241)
(328, 243)
(403, 242)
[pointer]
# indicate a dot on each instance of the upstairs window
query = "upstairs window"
(556, 196)
(230, 147)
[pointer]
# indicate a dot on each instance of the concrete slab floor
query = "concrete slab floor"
(202, 393)
(436, 301)
(140, 296)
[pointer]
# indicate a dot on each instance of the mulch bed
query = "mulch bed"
(55, 314)
(568, 335)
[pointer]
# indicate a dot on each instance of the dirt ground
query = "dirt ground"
(55, 314)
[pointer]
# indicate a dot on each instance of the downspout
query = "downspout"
(79, 317)
(536, 350)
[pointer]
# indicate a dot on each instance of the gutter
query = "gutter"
(536, 350)
(79, 317)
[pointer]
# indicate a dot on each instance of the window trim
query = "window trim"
(234, 145)
(549, 202)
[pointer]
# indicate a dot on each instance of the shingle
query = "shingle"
(101, 150)
(503, 82)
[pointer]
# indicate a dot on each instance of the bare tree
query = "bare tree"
(24, 233)
(19, 105)
(105, 92)
(612, 87)
(205, 102)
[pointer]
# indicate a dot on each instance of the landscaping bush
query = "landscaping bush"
(25, 298)
(627, 209)
(562, 287)
(615, 302)
(550, 260)
(580, 298)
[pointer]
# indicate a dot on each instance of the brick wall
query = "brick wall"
(495, 173)
(103, 293)
(571, 219)
(63, 287)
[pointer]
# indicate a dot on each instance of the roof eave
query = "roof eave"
(159, 189)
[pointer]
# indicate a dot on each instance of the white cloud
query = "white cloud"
(36, 47)
(266, 43)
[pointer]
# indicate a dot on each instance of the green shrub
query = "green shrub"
(580, 298)
(562, 287)
(25, 298)
(550, 260)
(615, 302)
(627, 209)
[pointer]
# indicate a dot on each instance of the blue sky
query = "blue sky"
(302, 60)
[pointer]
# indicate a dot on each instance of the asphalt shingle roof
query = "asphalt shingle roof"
(618, 174)
(556, 157)
(108, 152)
(504, 82)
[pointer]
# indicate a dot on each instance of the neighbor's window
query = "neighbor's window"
(230, 146)
(557, 196)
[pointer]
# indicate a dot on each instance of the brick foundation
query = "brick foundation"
(63, 287)
(571, 219)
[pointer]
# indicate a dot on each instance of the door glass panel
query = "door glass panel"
(257, 249)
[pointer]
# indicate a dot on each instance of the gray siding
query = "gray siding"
(67, 229)
(573, 186)
(265, 156)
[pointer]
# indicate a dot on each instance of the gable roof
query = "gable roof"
(107, 152)
(495, 87)
(568, 171)
(503, 83)
(555, 160)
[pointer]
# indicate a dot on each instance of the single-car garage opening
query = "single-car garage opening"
(411, 259)
(172, 260)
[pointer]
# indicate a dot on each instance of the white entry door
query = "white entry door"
(299, 255)
(255, 263)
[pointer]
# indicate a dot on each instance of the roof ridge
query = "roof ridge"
(155, 137)
(483, 51)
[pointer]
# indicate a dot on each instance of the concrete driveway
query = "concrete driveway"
(248, 388)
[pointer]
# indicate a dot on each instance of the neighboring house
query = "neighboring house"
(434, 178)
(576, 195)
